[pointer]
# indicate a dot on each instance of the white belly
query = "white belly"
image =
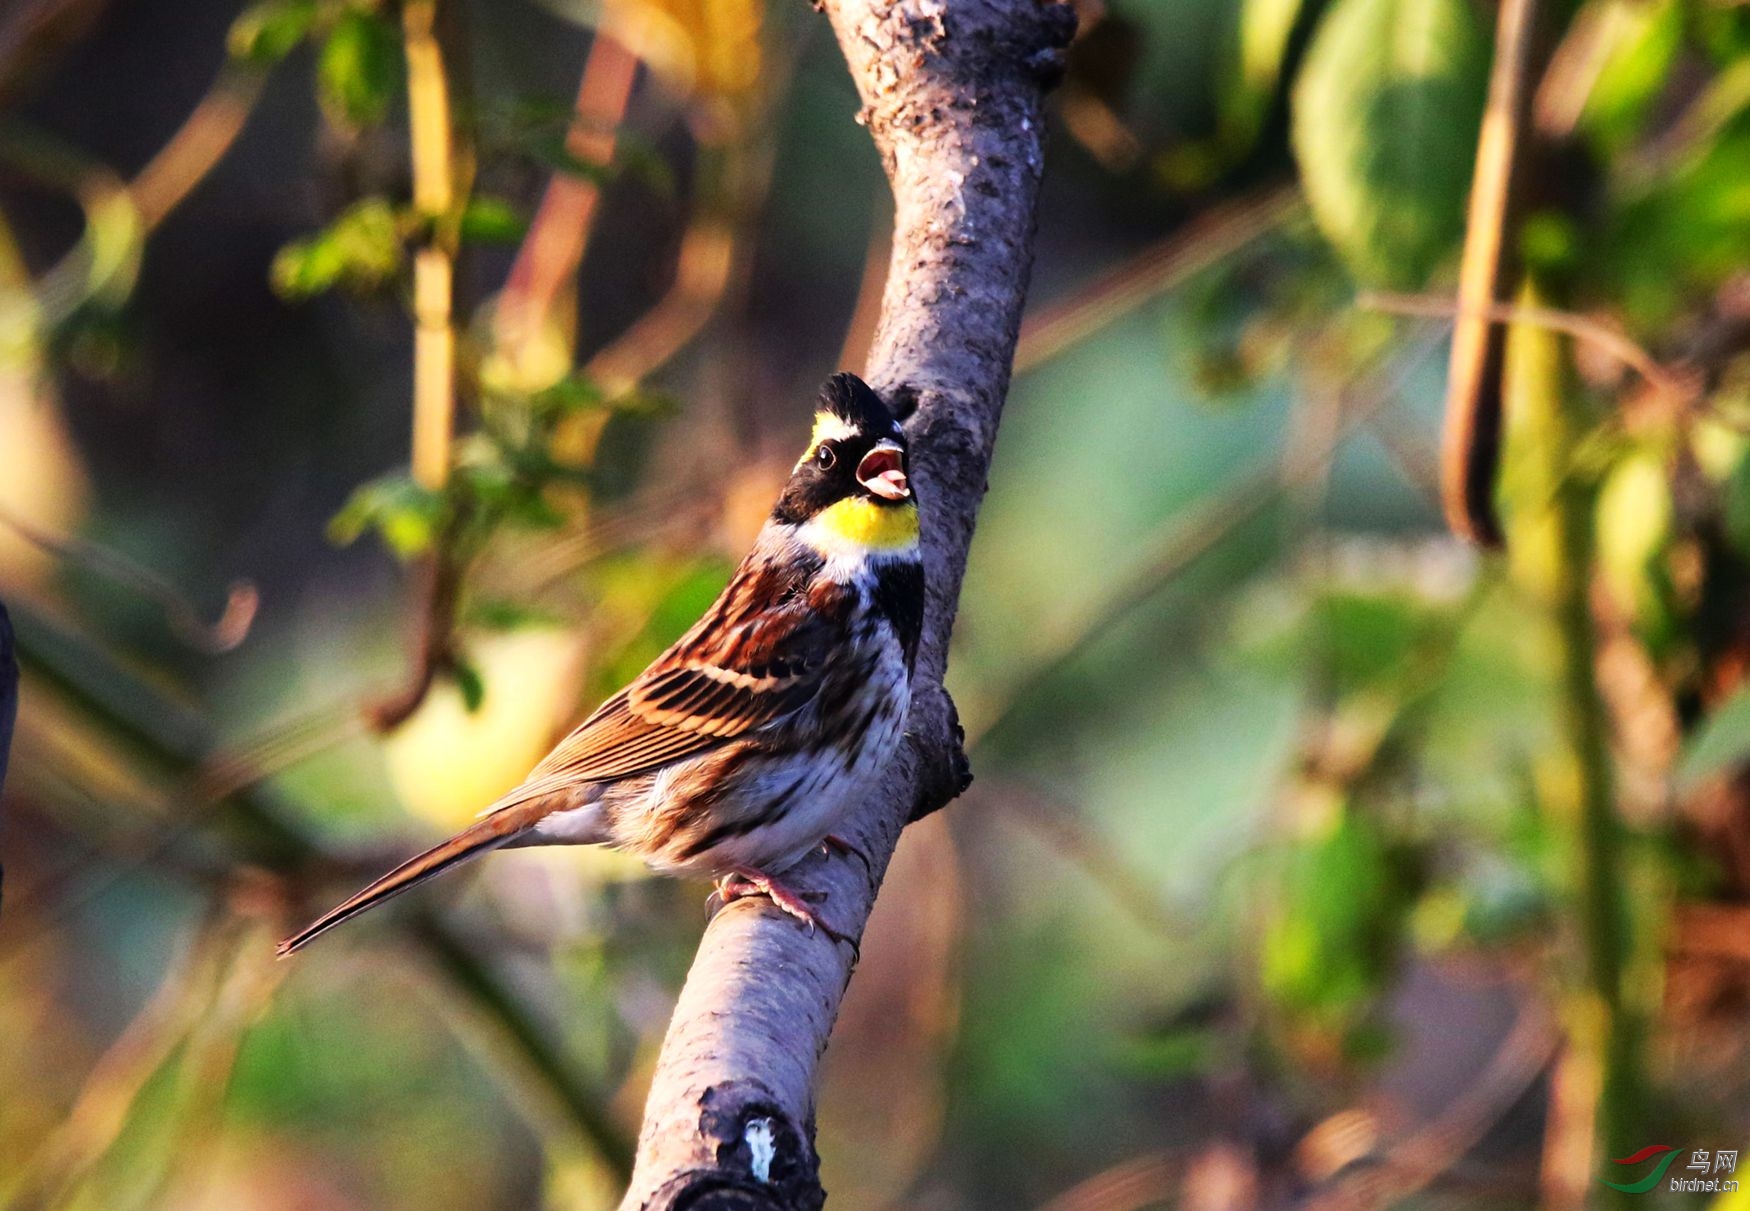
(824, 796)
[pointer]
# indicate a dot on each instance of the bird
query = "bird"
(742, 747)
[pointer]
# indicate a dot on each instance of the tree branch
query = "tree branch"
(952, 93)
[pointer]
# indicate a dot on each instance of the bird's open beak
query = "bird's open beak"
(882, 471)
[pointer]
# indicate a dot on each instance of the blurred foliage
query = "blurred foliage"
(361, 250)
(1280, 825)
(1386, 111)
(359, 68)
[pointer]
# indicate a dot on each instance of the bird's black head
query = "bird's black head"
(856, 453)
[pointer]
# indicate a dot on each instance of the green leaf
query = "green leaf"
(407, 516)
(1386, 112)
(1721, 742)
(1639, 43)
(1265, 27)
(551, 150)
(470, 685)
(1735, 505)
(1355, 642)
(1634, 528)
(1175, 1054)
(499, 614)
(492, 221)
(1687, 231)
(267, 32)
(1549, 240)
(1335, 935)
(359, 70)
(502, 486)
(571, 394)
(1723, 30)
(664, 597)
(1361, 640)
(360, 250)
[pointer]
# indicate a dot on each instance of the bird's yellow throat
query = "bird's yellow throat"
(855, 521)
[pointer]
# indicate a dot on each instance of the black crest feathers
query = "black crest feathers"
(850, 399)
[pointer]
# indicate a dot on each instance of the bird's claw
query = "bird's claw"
(832, 843)
(739, 883)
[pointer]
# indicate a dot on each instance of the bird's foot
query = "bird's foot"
(745, 881)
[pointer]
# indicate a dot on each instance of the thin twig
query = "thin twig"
(499, 1006)
(106, 258)
(702, 272)
(676, 507)
(243, 994)
(1565, 1180)
(1580, 801)
(278, 747)
(232, 626)
(1209, 239)
(34, 33)
(1070, 837)
(1471, 439)
(1405, 444)
(1420, 1158)
(440, 583)
(198, 145)
(138, 207)
(1667, 382)
(1148, 1180)
(559, 234)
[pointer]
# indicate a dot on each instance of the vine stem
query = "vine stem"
(1470, 444)
(1552, 548)
(441, 178)
(434, 198)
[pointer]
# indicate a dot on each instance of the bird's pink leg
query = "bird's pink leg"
(746, 881)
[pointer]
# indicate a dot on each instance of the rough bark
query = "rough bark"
(952, 93)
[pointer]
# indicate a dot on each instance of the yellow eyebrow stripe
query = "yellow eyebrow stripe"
(830, 426)
(827, 427)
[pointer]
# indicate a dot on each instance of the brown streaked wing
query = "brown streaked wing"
(756, 656)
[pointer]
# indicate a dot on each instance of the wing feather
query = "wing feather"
(755, 657)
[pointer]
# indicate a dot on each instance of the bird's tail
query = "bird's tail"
(499, 828)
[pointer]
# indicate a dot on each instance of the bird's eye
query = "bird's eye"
(825, 457)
